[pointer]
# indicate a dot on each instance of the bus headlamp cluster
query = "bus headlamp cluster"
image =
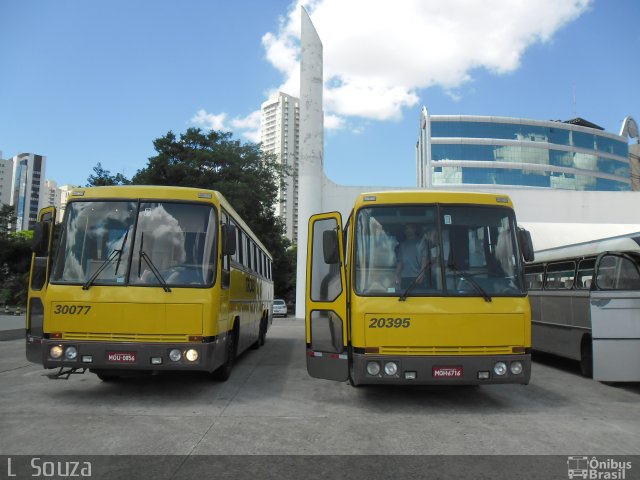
(390, 368)
(57, 351)
(191, 355)
(500, 368)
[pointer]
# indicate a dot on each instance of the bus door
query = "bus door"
(326, 294)
(615, 318)
(40, 266)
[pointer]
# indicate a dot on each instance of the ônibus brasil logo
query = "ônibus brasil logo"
(597, 469)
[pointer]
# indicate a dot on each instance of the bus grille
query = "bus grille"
(499, 350)
(125, 337)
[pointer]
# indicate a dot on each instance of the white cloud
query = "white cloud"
(333, 122)
(248, 127)
(379, 54)
(209, 120)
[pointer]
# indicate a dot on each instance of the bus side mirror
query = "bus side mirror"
(330, 247)
(228, 239)
(40, 242)
(526, 245)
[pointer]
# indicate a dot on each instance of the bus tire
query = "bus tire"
(350, 379)
(223, 372)
(586, 357)
(263, 330)
(105, 377)
(261, 335)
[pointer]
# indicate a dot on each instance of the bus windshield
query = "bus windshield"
(437, 250)
(177, 240)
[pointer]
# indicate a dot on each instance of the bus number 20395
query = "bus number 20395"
(389, 322)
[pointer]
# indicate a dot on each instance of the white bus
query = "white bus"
(585, 305)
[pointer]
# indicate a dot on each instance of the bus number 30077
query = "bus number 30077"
(72, 309)
(389, 322)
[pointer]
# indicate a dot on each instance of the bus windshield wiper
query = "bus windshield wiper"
(117, 252)
(143, 256)
(469, 278)
(403, 297)
(155, 270)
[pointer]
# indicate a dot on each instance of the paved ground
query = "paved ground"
(271, 406)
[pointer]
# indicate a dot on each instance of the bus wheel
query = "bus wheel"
(351, 375)
(263, 331)
(107, 377)
(586, 357)
(224, 372)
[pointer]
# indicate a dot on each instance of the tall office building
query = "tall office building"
(482, 151)
(6, 174)
(279, 135)
(28, 181)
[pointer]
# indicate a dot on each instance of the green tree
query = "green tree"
(242, 172)
(103, 177)
(15, 259)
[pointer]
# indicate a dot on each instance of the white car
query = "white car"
(279, 308)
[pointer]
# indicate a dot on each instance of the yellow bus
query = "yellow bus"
(419, 288)
(146, 279)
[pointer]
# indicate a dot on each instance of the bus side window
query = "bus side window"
(533, 275)
(226, 276)
(585, 274)
(560, 276)
(618, 273)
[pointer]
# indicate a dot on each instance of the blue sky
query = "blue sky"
(87, 82)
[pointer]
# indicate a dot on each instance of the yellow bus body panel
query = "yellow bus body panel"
(439, 325)
(130, 313)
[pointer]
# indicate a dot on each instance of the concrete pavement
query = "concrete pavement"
(12, 327)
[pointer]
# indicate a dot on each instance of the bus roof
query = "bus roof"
(426, 196)
(162, 192)
(621, 243)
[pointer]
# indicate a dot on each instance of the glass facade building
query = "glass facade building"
(27, 181)
(475, 150)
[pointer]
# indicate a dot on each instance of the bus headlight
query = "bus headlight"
(55, 352)
(191, 355)
(71, 353)
(516, 368)
(500, 368)
(373, 368)
(390, 368)
(175, 355)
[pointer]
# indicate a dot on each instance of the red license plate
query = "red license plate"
(447, 372)
(121, 357)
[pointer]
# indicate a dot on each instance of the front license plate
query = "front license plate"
(121, 357)
(447, 372)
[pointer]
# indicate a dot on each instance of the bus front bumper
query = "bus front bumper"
(441, 370)
(129, 356)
